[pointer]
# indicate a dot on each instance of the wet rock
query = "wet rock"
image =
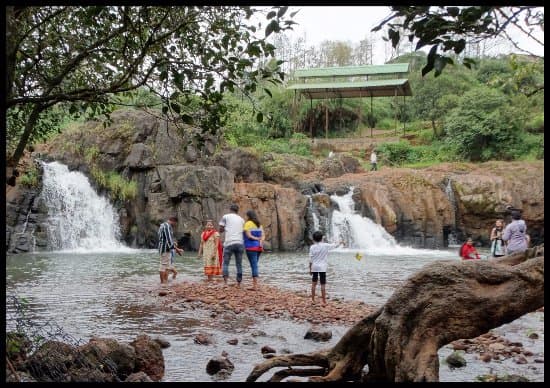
(203, 339)
(317, 335)
(224, 353)
(216, 364)
(267, 349)
(527, 353)
(233, 341)
(162, 342)
(516, 344)
(22, 377)
(149, 358)
(138, 377)
(17, 347)
(533, 336)
(539, 360)
(163, 293)
(485, 357)
(520, 360)
(258, 333)
(286, 351)
(455, 360)
(497, 347)
(249, 341)
(105, 350)
(513, 379)
(268, 355)
(459, 346)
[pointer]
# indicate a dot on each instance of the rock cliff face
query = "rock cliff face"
(420, 208)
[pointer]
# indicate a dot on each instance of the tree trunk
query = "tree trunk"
(444, 301)
(29, 129)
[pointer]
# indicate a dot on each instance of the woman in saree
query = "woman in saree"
(209, 250)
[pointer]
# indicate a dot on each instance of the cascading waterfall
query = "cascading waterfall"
(78, 218)
(451, 238)
(314, 215)
(357, 231)
(362, 234)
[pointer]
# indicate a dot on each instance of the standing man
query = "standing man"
(233, 226)
(166, 245)
(373, 160)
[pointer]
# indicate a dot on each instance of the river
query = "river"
(112, 294)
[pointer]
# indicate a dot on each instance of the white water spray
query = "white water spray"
(78, 219)
(362, 234)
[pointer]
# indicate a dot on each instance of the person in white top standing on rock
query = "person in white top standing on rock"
(373, 161)
(233, 225)
(318, 263)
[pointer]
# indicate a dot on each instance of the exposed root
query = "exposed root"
(284, 373)
(308, 359)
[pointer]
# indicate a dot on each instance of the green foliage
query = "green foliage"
(30, 177)
(484, 126)
(90, 154)
(100, 52)
(536, 124)
(118, 187)
(447, 28)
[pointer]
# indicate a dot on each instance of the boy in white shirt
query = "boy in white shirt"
(318, 263)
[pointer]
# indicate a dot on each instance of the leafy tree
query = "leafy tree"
(82, 56)
(448, 28)
(484, 126)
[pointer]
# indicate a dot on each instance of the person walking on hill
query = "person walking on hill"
(166, 244)
(233, 226)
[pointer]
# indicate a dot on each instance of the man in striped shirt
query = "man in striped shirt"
(165, 247)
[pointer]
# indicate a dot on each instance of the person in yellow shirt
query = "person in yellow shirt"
(254, 236)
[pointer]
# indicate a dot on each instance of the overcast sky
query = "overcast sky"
(353, 23)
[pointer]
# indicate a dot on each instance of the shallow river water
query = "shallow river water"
(112, 295)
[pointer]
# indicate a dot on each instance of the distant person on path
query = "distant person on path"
(468, 251)
(209, 250)
(373, 161)
(498, 248)
(233, 226)
(515, 234)
(318, 263)
(253, 243)
(165, 246)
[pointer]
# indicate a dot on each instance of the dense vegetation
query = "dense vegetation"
(486, 113)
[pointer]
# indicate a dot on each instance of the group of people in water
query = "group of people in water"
(504, 240)
(240, 237)
(247, 236)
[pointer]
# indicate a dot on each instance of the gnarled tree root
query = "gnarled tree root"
(443, 302)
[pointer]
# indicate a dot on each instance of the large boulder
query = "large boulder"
(149, 358)
(121, 355)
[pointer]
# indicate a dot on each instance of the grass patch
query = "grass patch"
(30, 177)
(118, 186)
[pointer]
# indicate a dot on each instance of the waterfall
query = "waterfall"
(357, 231)
(78, 218)
(314, 215)
(449, 192)
(363, 234)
